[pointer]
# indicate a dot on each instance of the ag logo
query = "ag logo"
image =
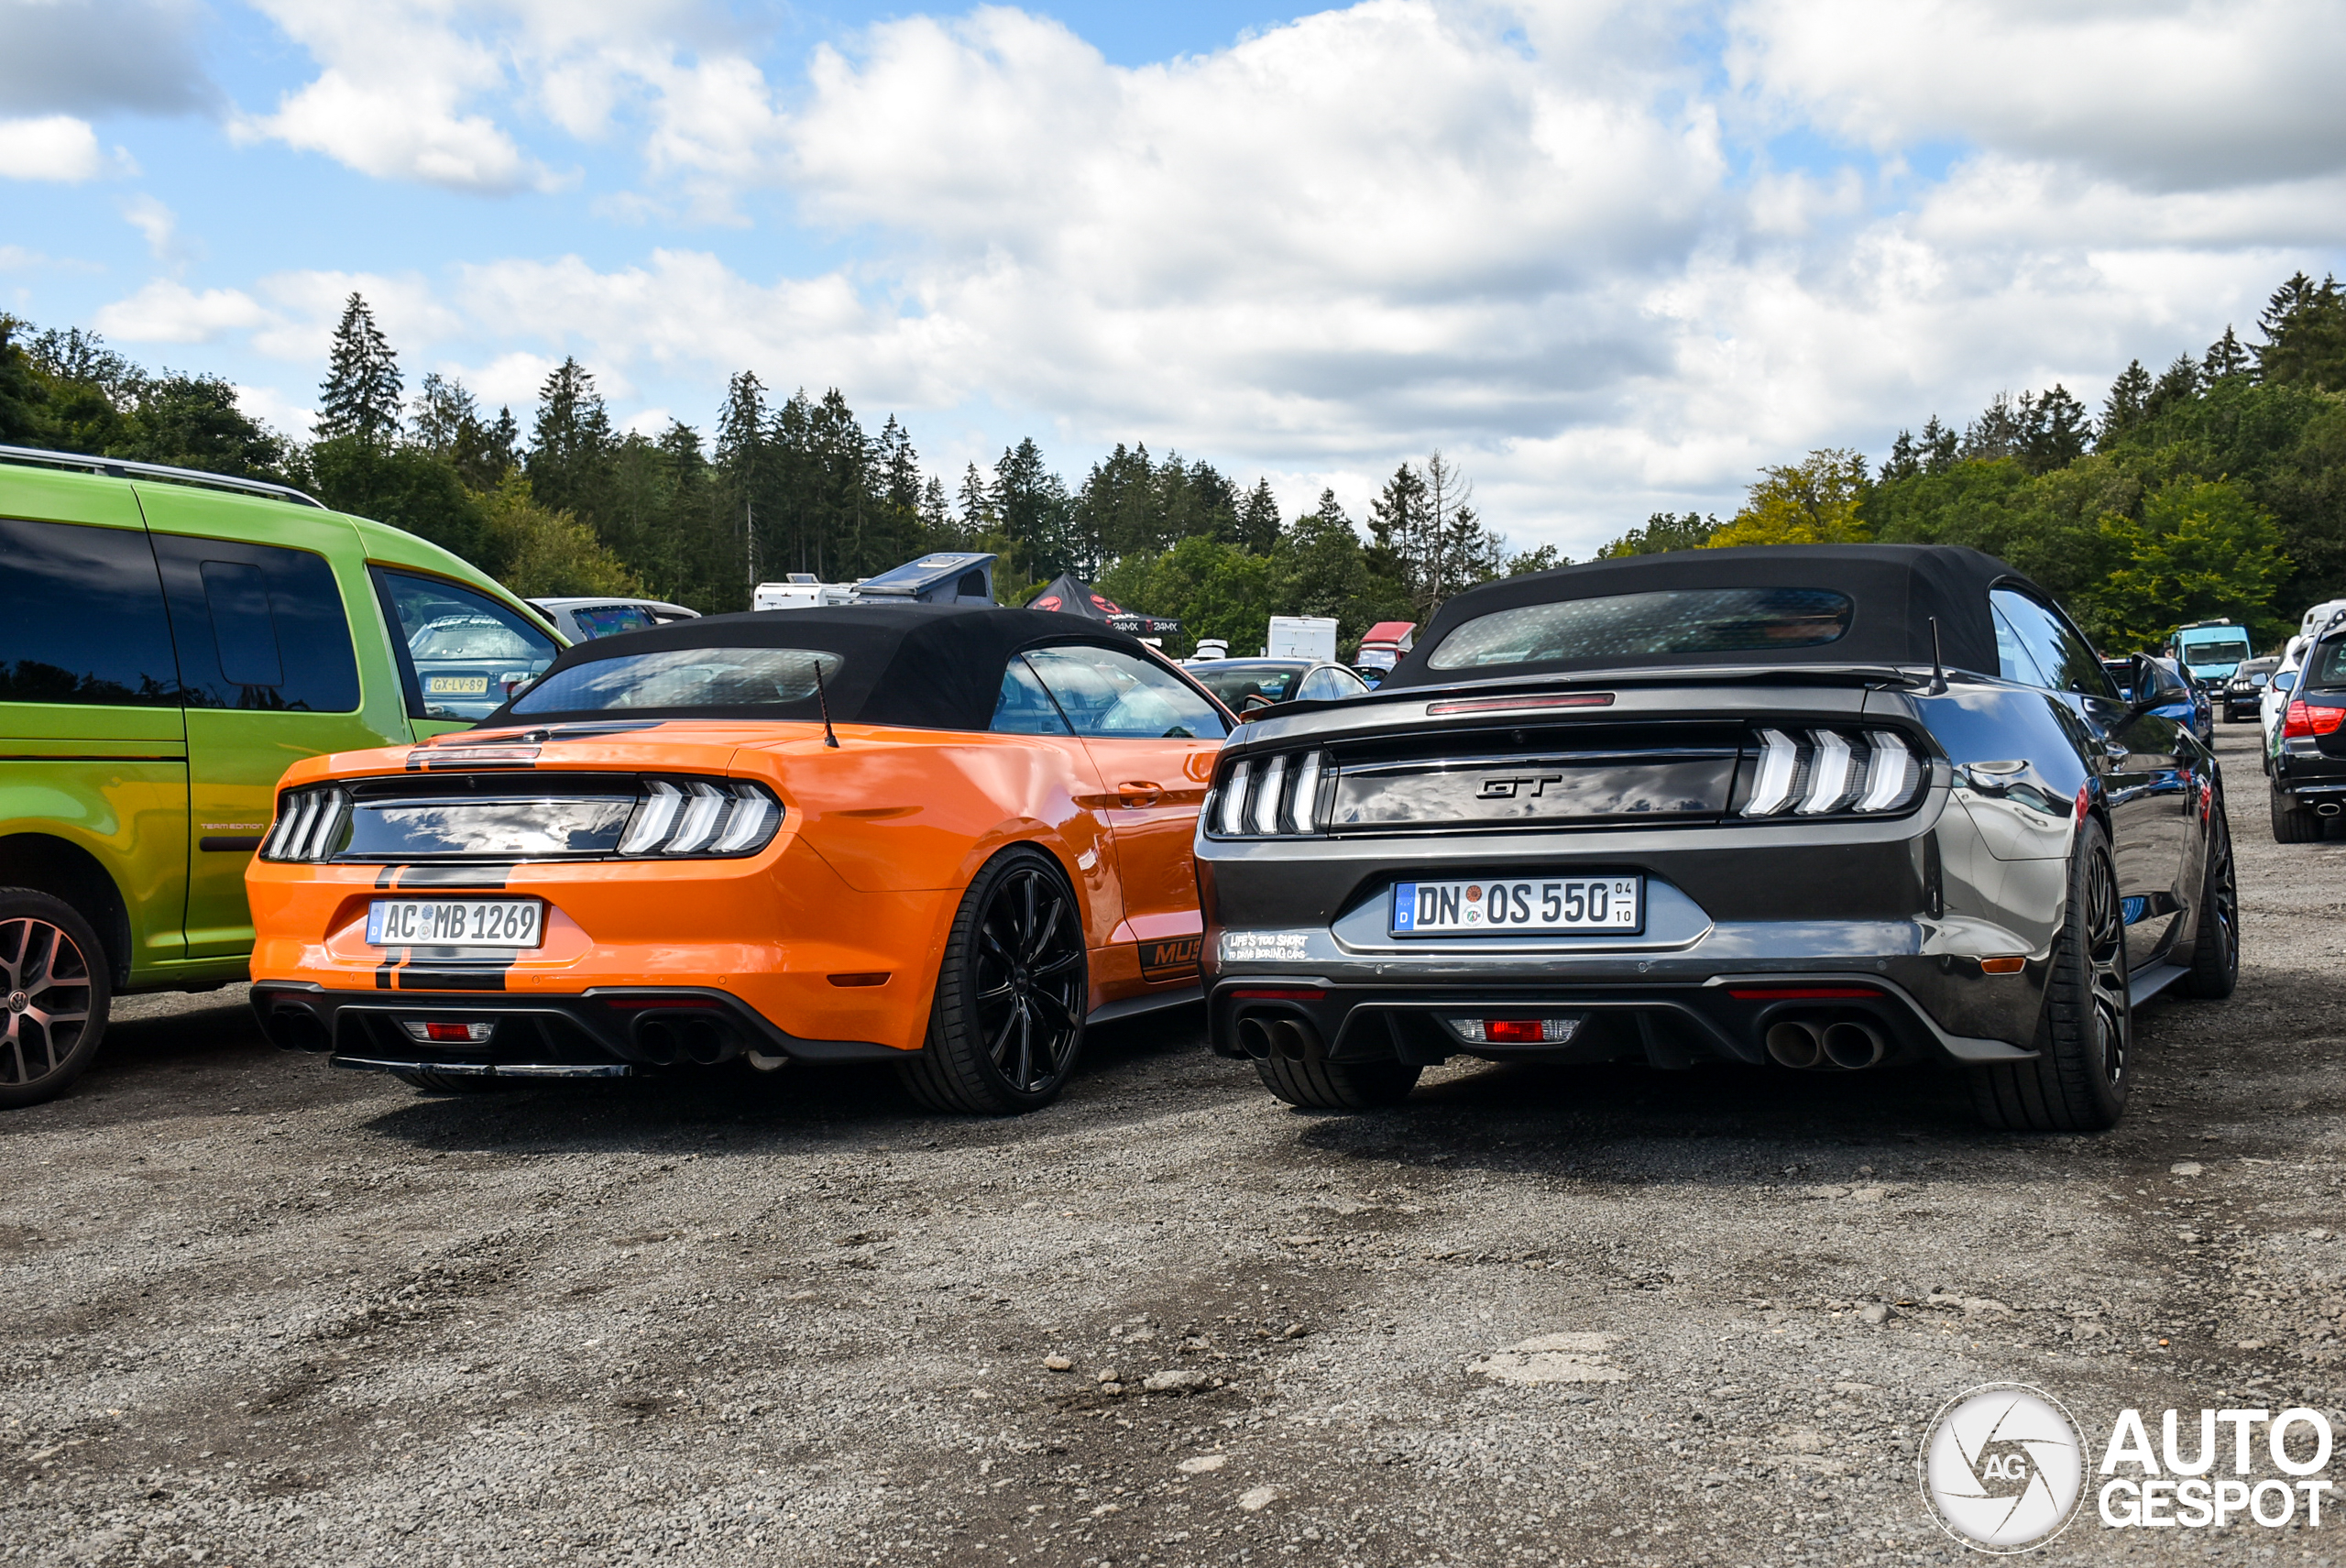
(2002, 1467)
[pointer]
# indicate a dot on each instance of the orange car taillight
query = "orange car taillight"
(701, 817)
(309, 821)
(1818, 773)
(1268, 796)
(2304, 722)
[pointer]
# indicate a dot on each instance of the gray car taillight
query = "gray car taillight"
(1270, 797)
(1819, 773)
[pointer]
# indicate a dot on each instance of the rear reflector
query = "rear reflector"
(1515, 1031)
(2003, 966)
(1803, 993)
(1280, 995)
(1518, 704)
(432, 1032)
(878, 977)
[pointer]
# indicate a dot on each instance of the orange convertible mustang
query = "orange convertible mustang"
(946, 837)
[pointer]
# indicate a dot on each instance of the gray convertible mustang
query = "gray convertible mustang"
(1825, 807)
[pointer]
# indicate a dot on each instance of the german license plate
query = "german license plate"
(1519, 905)
(457, 686)
(455, 923)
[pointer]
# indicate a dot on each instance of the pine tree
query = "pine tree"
(977, 505)
(936, 516)
(1938, 448)
(2129, 397)
(1903, 463)
(360, 396)
(1996, 433)
(2059, 430)
(571, 446)
(2180, 383)
(2225, 357)
(1258, 520)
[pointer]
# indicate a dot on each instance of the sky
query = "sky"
(1610, 258)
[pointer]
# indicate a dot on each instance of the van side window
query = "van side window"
(461, 653)
(259, 626)
(82, 618)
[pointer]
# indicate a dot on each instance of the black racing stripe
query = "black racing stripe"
(388, 876)
(392, 958)
(451, 979)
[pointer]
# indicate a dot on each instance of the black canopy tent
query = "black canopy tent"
(1895, 593)
(1068, 595)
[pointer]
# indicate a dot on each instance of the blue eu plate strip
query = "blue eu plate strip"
(1404, 906)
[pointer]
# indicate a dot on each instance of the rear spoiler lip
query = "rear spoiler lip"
(1609, 680)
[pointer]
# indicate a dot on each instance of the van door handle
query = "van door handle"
(1140, 791)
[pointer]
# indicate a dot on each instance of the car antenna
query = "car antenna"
(830, 736)
(1939, 665)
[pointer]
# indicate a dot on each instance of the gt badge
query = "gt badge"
(1508, 788)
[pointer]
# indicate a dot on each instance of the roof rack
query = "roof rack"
(123, 468)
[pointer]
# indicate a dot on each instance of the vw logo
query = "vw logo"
(2002, 1467)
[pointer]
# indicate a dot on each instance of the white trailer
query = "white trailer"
(1302, 637)
(800, 590)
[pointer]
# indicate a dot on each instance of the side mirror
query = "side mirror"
(1254, 702)
(2286, 681)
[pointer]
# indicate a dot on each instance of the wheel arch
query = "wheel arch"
(65, 870)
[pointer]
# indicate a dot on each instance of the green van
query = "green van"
(171, 641)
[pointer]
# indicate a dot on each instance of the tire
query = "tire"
(454, 1082)
(2215, 953)
(2085, 1038)
(1007, 1025)
(1338, 1086)
(55, 991)
(2292, 823)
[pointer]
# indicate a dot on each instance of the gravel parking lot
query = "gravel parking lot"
(261, 1312)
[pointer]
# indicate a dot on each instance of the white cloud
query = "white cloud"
(272, 408)
(156, 224)
(2171, 94)
(168, 312)
(53, 146)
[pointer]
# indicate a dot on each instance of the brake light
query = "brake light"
(2302, 721)
(1815, 772)
(1267, 798)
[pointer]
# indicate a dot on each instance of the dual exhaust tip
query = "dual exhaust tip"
(1846, 1046)
(665, 1041)
(2329, 808)
(1263, 1035)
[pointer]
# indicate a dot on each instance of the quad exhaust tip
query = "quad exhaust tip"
(1850, 1047)
(1264, 1035)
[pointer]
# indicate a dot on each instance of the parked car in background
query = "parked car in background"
(1829, 807)
(2245, 690)
(583, 620)
(469, 658)
(2309, 757)
(2274, 700)
(171, 641)
(2183, 698)
(2207, 652)
(944, 837)
(1385, 644)
(1244, 685)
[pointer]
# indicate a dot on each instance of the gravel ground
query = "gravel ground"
(262, 1312)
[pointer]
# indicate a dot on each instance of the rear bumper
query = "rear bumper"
(1668, 1012)
(606, 1031)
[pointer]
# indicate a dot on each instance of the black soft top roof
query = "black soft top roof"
(930, 666)
(1897, 591)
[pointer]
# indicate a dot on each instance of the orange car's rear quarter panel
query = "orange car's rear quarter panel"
(863, 877)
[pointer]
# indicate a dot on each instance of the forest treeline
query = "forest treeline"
(573, 505)
(2214, 487)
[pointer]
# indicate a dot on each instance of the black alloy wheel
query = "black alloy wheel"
(2215, 953)
(54, 995)
(2079, 1079)
(1007, 1023)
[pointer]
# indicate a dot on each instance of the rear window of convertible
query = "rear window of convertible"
(676, 678)
(1635, 625)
